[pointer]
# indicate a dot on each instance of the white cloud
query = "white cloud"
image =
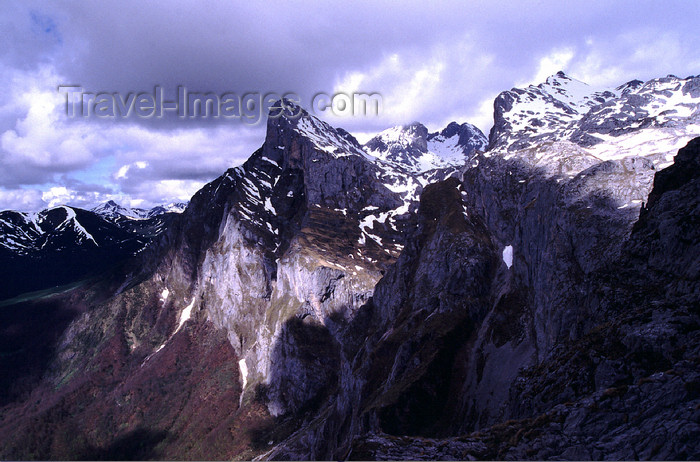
(556, 60)
(433, 86)
(642, 54)
(58, 195)
(123, 171)
(414, 83)
(21, 199)
(34, 140)
(41, 147)
(164, 191)
(62, 195)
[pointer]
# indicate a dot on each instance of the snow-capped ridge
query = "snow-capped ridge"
(413, 147)
(112, 210)
(327, 138)
(334, 141)
(71, 220)
(603, 122)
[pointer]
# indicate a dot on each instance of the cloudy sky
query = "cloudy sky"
(431, 63)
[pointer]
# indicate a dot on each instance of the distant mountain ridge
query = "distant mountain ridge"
(24, 233)
(62, 244)
(637, 117)
(411, 146)
(111, 209)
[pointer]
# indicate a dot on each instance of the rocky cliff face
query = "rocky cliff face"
(623, 389)
(564, 210)
(559, 216)
(329, 300)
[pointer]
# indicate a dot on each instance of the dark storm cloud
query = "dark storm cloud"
(287, 46)
(433, 63)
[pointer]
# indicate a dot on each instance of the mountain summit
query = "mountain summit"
(411, 146)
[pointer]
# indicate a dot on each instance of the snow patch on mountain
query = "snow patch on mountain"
(72, 221)
(326, 138)
(565, 126)
(185, 316)
(508, 255)
(112, 210)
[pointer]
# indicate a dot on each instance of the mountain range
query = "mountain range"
(115, 212)
(62, 244)
(533, 295)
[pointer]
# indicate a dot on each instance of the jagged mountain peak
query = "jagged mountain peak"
(286, 126)
(172, 207)
(410, 146)
(64, 220)
(413, 147)
(454, 128)
(392, 142)
(560, 79)
(627, 87)
(111, 209)
(545, 108)
(307, 175)
(577, 95)
(19, 231)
